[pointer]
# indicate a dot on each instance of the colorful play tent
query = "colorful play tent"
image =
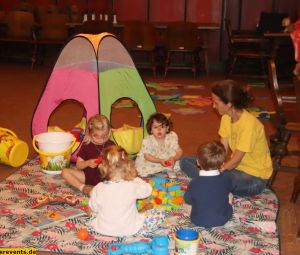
(95, 70)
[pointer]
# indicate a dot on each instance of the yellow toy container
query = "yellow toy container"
(55, 150)
(13, 151)
(130, 138)
(186, 242)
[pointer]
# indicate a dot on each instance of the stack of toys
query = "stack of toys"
(167, 195)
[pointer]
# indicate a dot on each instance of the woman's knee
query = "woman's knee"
(245, 184)
(186, 161)
(250, 188)
(189, 167)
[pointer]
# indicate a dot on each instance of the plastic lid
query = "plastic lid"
(18, 154)
(187, 234)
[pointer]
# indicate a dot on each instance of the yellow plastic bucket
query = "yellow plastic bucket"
(55, 150)
(128, 137)
(186, 242)
(13, 151)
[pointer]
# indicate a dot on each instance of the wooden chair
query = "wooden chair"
(53, 32)
(182, 39)
(53, 27)
(41, 10)
(296, 189)
(18, 35)
(286, 121)
(2, 22)
(246, 47)
(24, 6)
(75, 14)
(140, 39)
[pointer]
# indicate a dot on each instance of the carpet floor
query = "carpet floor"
(252, 228)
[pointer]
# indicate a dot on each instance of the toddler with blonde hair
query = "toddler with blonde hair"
(114, 200)
(86, 174)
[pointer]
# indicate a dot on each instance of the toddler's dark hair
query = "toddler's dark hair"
(211, 155)
(230, 91)
(160, 118)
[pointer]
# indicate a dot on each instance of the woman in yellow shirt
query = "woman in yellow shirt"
(249, 165)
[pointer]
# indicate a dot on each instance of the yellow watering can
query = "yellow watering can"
(13, 151)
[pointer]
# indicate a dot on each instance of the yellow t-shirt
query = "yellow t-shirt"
(248, 135)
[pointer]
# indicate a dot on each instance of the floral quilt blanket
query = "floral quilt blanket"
(252, 230)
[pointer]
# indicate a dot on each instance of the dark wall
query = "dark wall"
(131, 9)
(244, 16)
(152, 10)
(172, 10)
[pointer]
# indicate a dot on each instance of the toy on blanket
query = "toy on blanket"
(165, 194)
(83, 234)
(158, 246)
(13, 151)
(260, 113)
(77, 131)
(128, 137)
(53, 199)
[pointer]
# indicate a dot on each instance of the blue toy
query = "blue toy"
(158, 246)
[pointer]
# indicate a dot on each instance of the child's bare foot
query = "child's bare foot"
(87, 189)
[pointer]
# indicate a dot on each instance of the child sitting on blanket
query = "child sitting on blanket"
(86, 174)
(209, 194)
(114, 200)
(160, 150)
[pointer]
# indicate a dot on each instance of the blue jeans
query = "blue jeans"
(243, 184)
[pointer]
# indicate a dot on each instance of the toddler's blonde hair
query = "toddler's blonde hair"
(97, 123)
(116, 162)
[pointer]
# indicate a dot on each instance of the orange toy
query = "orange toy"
(83, 234)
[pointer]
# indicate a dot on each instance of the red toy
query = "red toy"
(54, 199)
(83, 234)
(168, 163)
(78, 133)
(99, 160)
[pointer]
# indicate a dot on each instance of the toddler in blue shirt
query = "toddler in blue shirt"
(209, 194)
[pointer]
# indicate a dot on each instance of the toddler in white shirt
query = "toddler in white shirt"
(114, 200)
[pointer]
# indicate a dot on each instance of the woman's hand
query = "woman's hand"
(234, 161)
(222, 169)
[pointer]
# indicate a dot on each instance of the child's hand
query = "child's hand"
(99, 160)
(230, 198)
(92, 163)
(163, 162)
(169, 162)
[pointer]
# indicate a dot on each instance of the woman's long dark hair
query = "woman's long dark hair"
(230, 91)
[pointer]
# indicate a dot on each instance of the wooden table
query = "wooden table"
(277, 39)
